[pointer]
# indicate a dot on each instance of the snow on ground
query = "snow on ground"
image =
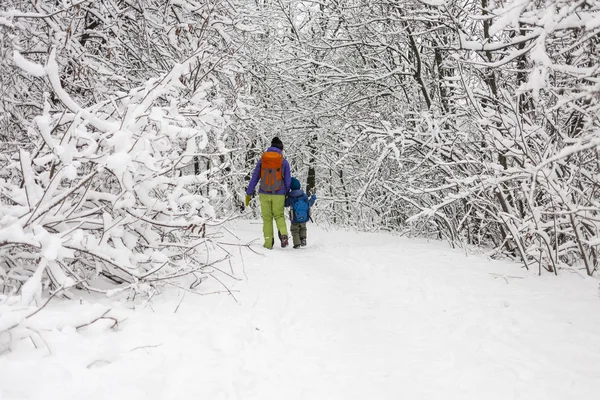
(352, 316)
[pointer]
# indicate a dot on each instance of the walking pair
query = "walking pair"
(279, 190)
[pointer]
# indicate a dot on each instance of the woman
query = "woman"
(273, 171)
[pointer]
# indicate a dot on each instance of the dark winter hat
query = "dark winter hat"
(295, 185)
(276, 142)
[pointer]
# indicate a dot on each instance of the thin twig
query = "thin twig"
(179, 275)
(180, 301)
(226, 288)
(202, 294)
(103, 316)
(146, 347)
(61, 289)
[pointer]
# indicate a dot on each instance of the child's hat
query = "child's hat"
(276, 142)
(295, 185)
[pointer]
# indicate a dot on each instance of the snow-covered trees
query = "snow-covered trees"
(528, 80)
(127, 127)
(473, 120)
(115, 148)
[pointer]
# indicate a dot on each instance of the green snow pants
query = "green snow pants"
(298, 233)
(272, 206)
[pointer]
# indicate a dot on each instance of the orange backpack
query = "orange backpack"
(271, 174)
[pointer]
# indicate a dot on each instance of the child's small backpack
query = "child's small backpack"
(300, 210)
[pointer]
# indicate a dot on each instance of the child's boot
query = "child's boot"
(302, 242)
(284, 240)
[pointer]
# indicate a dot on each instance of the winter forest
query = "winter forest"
(129, 130)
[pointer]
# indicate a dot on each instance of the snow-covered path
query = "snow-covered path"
(351, 316)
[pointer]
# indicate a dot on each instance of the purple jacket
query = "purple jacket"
(287, 177)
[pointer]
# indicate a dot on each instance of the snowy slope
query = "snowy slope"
(351, 316)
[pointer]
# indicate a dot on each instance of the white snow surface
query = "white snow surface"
(351, 316)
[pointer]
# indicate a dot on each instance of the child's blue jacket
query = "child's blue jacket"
(299, 193)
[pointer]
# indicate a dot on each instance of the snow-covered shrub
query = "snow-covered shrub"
(105, 193)
(520, 171)
(115, 141)
(117, 159)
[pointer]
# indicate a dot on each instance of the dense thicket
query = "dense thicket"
(476, 121)
(115, 153)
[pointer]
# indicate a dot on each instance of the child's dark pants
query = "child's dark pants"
(298, 233)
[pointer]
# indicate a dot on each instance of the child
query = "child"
(299, 212)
